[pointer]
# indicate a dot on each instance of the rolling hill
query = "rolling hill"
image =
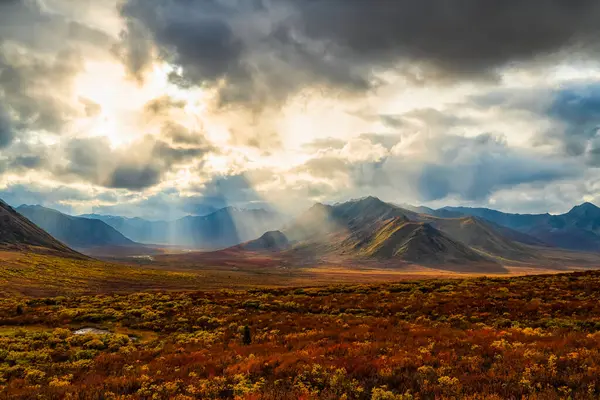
(416, 242)
(77, 232)
(489, 238)
(270, 241)
(19, 233)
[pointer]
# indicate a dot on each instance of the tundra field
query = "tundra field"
(470, 338)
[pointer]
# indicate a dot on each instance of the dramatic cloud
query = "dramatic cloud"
(6, 127)
(265, 50)
(136, 167)
(441, 166)
(475, 168)
(578, 109)
(245, 49)
(461, 37)
(40, 53)
(143, 107)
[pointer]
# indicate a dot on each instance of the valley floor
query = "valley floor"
(476, 338)
(37, 275)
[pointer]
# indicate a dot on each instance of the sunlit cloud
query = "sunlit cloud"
(128, 104)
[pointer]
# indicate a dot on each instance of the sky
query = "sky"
(162, 108)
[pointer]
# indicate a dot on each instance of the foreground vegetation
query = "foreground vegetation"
(32, 274)
(535, 337)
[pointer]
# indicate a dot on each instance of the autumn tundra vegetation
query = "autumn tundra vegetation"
(472, 338)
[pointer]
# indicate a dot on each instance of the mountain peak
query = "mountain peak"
(587, 205)
(585, 208)
(270, 241)
(31, 206)
(319, 207)
(367, 200)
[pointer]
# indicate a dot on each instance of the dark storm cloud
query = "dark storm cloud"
(135, 49)
(86, 158)
(93, 160)
(27, 162)
(460, 36)
(572, 111)
(473, 168)
(226, 190)
(578, 109)
(6, 127)
(29, 88)
(31, 24)
(196, 34)
(284, 46)
(444, 165)
(134, 177)
(479, 177)
(243, 47)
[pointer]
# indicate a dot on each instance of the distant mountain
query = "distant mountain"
(371, 228)
(17, 232)
(520, 222)
(270, 241)
(355, 217)
(585, 216)
(442, 212)
(226, 227)
(579, 229)
(77, 232)
(488, 237)
(138, 229)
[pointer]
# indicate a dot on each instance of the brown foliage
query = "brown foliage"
(526, 337)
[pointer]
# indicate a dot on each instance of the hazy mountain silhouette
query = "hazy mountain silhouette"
(77, 232)
(19, 233)
(138, 229)
(223, 228)
(270, 241)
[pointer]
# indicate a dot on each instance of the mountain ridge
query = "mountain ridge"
(19, 233)
(578, 229)
(225, 227)
(369, 228)
(76, 232)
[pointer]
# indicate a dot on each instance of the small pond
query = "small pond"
(93, 331)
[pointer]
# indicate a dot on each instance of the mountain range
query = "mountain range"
(223, 228)
(361, 229)
(77, 232)
(369, 228)
(19, 233)
(578, 229)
